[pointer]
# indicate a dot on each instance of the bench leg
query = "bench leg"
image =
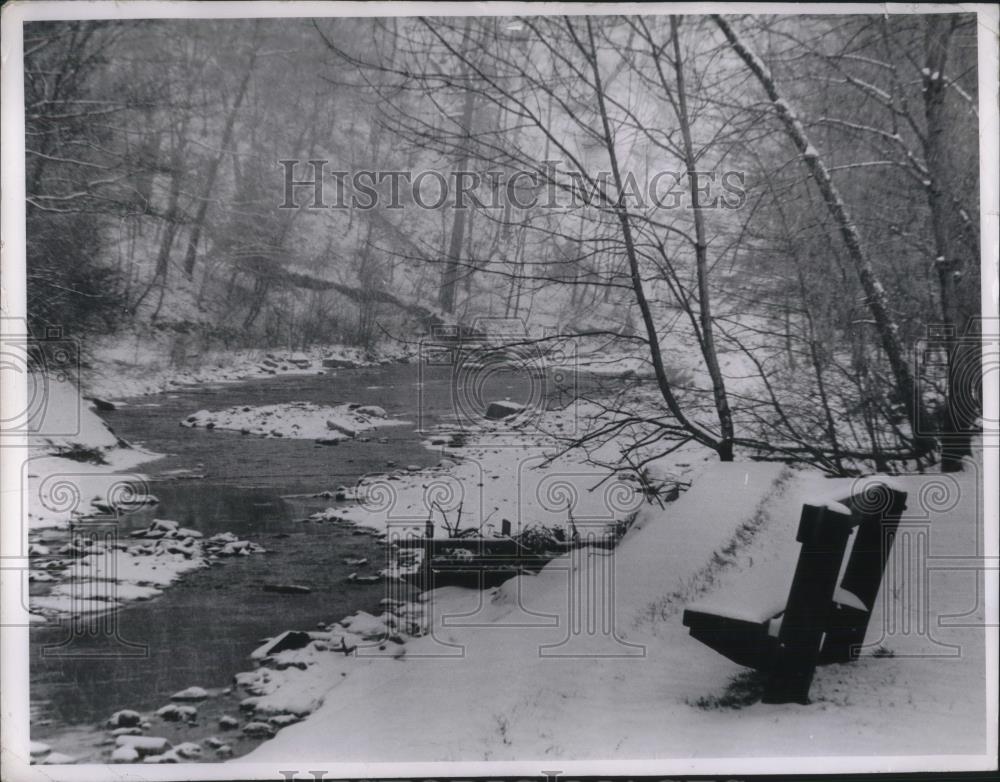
(788, 687)
(823, 534)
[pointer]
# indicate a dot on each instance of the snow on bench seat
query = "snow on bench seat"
(667, 547)
(760, 594)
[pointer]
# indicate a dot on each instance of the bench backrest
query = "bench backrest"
(816, 627)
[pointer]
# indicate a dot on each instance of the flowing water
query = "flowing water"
(202, 629)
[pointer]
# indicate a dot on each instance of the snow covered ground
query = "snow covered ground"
(75, 459)
(120, 369)
(302, 420)
(528, 683)
(683, 357)
(511, 470)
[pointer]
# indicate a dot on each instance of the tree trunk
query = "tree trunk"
(213, 170)
(955, 428)
(701, 255)
(172, 216)
(621, 211)
(875, 294)
(450, 273)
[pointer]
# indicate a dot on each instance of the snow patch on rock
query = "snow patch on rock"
(299, 420)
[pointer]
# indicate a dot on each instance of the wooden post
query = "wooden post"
(879, 514)
(823, 533)
(426, 571)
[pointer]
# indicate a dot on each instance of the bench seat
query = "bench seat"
(746, 630)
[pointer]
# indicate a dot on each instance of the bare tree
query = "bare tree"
(215, 161)
(876, 296)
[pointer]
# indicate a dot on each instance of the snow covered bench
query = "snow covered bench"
(822, 617)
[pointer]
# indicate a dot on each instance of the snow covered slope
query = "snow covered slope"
(513, 678)
(73, 458)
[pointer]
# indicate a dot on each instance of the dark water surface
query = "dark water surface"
(421, 396)
(203, 628)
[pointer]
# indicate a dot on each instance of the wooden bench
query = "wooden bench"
(824, 616)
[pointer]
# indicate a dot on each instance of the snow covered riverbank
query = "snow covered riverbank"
(75, 462)
(512, 471)
(120, 370)
(530, 687)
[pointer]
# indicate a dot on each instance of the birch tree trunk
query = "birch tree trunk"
(875, 294)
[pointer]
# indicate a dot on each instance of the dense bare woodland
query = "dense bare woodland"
(801, 192)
